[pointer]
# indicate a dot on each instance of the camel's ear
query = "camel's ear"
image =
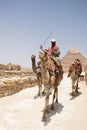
(33, 55)
(46, 51)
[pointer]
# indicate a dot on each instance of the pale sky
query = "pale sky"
(26, 24)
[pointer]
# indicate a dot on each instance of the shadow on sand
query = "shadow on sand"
(73, 97)
(57, 109)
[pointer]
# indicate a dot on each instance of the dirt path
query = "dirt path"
(22, 112)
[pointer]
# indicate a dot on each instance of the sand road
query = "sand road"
(22, 112)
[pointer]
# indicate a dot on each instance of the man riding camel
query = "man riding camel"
(77, 66)
(54, 53)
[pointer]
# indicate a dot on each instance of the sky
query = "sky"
(27, 24)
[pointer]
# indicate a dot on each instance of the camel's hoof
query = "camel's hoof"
(76, 91)
(43, 93)
(44, 118)
(73, 93)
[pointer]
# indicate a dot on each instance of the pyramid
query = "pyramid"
(70, 56)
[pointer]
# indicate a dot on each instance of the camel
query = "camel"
(74, 78)
(50, 80)
(85, 70)
(37, 71)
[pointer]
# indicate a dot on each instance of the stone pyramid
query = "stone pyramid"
(70, 56)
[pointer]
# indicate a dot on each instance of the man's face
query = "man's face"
(52, 44)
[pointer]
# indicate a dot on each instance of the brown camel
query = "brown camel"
(38, 75)
(50, 80)
(74, 78)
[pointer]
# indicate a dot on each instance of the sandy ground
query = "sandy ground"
(22, 112)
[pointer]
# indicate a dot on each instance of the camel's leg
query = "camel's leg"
(77, 85)
(73, 91)
(39, 88)
(73, 87)
(76, 89)
(43, 92)
(55, 95)
(39, 81)
(44, 118)
(47, 103)
(46, 109)
(52, 107)
(86, 78)
(86, 81)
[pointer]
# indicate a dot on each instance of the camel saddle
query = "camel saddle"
(53, 68)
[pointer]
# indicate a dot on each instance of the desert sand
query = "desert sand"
(22, 112)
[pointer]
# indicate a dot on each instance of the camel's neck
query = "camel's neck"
(34, 66)
(44, 68)
(73, 73)
(43, 64)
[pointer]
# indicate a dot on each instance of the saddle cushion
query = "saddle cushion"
(51, 65)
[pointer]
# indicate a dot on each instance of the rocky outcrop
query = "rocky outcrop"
(13, 81)
(3, 67)
(10, 67)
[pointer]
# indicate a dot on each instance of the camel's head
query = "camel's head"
(43, 54)
(33, 57)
